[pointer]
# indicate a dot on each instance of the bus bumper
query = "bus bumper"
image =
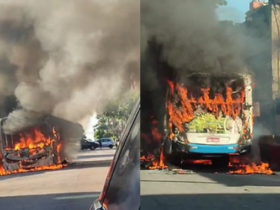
(213, 149)
(202, 149)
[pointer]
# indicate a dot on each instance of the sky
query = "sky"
(89, 131)
(235, 10)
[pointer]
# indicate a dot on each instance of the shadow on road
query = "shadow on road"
(228, 180)
(244, 180)
(214, 177)
(213, 201)
(71, 201)
(221, 176)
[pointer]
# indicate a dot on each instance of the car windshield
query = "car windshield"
(123, 186)
(127, 130)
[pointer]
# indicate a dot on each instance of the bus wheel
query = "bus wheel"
(168, 147)
(220, 162)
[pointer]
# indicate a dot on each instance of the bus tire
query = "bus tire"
(220, 162)
(168, 147)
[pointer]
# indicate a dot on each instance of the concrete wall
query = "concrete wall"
(260, 62)
(275, 62)
(275, 50)
(262, 65)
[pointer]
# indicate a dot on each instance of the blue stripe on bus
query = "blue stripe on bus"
(213, 149)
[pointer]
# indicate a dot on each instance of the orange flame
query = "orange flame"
(178, 117)
(43, 168)
(160, 163)
(227, 105)
(157, 162)
(253, 169)
(199, 162)
(243, 166)
(39, 142)
(35, 144)
(58, 147)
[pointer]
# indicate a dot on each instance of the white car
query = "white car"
(106, 142)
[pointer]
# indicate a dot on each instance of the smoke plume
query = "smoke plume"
(183, 36)
(191, 37)
(67, 58)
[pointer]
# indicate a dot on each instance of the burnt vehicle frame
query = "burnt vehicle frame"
(52, 128)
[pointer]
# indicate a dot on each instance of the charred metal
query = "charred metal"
(38, 147)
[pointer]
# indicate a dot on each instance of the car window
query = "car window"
(130, 121)
(135, 112)
(124, 187)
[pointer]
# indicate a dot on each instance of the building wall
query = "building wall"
(260, 27)
(275, 62)
(275, 51)
(259, 61)
(264, 22)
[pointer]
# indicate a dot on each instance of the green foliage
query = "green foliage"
(108, 135)
(99, 133)
(113, 120)
(227, 23)
(222, 2)
(207, 123)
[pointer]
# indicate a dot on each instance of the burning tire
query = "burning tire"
(220, 162)
(175, 159)
(168, 148)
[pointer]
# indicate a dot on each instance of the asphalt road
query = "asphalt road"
(74, 187)
(97, 155)
(161, 190)
(70, 188)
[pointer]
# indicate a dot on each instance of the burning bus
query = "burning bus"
(38, 147)
(199, 118)
(209, 116)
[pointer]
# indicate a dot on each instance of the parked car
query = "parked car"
(106, 142)
(86, 144)
(121, 190)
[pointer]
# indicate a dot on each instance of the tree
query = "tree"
(227, 23)
(112, 121)
(221, 2)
